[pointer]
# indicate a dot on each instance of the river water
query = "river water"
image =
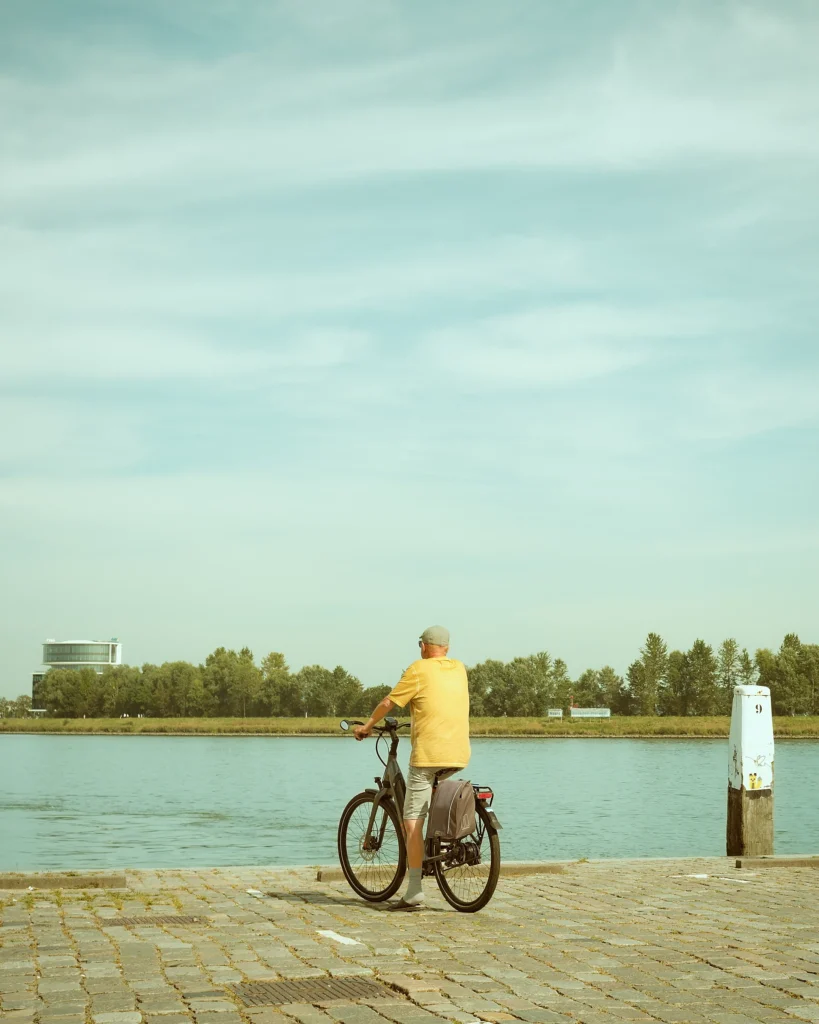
(113, 801)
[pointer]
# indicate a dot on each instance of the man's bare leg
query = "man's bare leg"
(414, 831)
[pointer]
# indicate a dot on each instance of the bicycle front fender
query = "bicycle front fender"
(380, 796)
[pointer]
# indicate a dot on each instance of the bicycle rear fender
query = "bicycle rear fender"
(493, 819)
(484, 796)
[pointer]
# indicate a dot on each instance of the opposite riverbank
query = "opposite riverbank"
(543, 728)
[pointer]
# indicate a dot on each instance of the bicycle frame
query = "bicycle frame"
(393, 785)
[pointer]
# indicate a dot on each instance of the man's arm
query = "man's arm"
(384, 708)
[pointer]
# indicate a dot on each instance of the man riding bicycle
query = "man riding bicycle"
(437, 691)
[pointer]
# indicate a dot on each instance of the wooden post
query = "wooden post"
(750, 831)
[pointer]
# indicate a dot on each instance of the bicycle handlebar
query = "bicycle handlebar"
(391, 726)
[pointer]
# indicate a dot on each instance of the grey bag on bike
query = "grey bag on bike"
(452, 814)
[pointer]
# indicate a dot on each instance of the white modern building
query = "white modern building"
(76, 654)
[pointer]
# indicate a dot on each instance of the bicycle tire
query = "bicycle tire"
(368, 862)
(467, 906)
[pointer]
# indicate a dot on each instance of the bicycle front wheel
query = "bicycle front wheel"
(468, 875)
(373, 859)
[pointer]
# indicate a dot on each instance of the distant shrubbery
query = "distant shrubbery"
(230, 684)
(699, 681)
(630, 726)
(18, 708)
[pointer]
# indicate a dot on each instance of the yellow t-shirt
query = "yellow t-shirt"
(437, 692)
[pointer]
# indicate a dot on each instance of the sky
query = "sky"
(321, 323)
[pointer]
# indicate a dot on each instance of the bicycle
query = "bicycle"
(372, 848)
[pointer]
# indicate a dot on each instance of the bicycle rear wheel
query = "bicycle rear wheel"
(373, 861)
(467, 877)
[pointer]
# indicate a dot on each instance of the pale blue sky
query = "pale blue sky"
(320, 323)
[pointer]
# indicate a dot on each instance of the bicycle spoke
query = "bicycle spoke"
(468, 885)
(373, 854)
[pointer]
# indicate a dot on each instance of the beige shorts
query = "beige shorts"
(419, 790)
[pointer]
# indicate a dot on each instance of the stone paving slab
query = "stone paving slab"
(679, 942)
(62, 880)
(333, 872)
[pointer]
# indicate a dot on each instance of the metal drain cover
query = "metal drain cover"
(311, 990)
(121, 922)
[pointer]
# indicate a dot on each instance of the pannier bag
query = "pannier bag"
(452, 814)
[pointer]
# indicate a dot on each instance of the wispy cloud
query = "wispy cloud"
(562, 343)
(129, 353)
(747, 402)
(249, 124)
(65, 436)
(171, 273)
(288, 289)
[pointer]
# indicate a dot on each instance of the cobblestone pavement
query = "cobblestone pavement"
(604, 942)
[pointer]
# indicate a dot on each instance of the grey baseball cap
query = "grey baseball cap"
(436, 636)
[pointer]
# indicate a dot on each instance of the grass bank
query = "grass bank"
(635, 727)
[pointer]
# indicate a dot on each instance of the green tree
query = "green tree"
(810, 663)
(346, 692)
(315, 684)
(143, 697)
(765, 665)
(217, 677)
(791, 692)
(615, 692)
(587, 690)
(497, 697)
(247, 683)
(155, 693)
(186, 688)
(124, 691)
(328, 693)
(676, 697)
(691, 682)
(482, 678)
(748, 674)
(647, 686)
(290, 696)
(72, 693)
(231, 682)
(55, 693)
(635, 683)
(276, 688)
(112, 691)
(561, 686)
(729, 674)
(371, 698)
(530, 685)
(20, 707)
(525, 686)
(702, 668)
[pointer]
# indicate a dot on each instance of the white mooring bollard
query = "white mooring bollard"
(750, 831)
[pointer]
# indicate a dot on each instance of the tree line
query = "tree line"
(699, 681)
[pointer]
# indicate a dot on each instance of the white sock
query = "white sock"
(415, 892)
